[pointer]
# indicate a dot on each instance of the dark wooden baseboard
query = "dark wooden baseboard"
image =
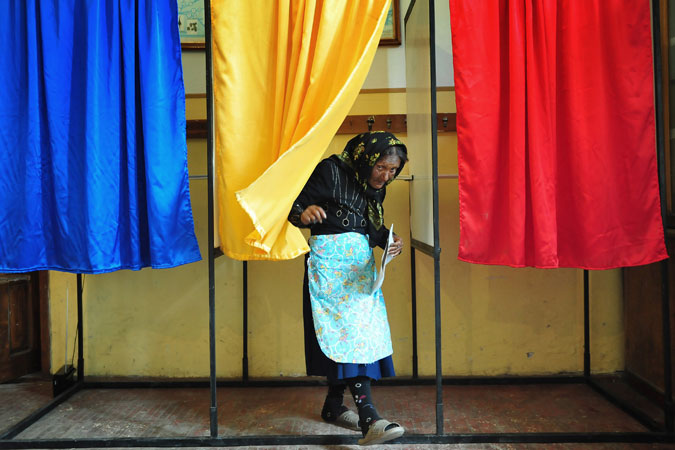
(354, 124)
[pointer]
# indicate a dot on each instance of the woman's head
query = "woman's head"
(376, 158)
(387, 167)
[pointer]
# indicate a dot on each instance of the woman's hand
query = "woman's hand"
(396, 246)
(312, 214)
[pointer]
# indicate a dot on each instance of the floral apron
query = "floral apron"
(351, 325)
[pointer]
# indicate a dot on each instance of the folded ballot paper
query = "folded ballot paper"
(385, 260)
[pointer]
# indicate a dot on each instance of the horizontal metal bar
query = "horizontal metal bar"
(268, 440)
(333, 439)
(423, 247)
(637, 414)
(452, 176)
(441, 176)
(398, 178)
(37, 415)
(352, 124)
(300, 382)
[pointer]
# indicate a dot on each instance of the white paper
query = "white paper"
(386, 257)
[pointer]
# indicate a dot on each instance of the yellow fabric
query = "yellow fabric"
(286, 73)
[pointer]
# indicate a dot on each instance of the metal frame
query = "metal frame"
(213, 412)
(661, 155)
(668, 424)
(336, 439)
(435, 250)
(656, 435)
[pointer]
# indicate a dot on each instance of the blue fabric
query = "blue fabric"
(316, 361)
(93, 157)
(379, 369)
(351, 323)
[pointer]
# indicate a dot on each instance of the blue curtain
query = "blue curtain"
(93, 157)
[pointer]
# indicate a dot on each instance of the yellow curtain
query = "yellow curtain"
(286, 73)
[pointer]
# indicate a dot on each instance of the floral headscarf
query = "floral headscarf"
(360, 155)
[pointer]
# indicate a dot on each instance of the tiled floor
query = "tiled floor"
(20, 398)
(173, 412)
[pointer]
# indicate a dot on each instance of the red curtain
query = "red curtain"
(556, 132)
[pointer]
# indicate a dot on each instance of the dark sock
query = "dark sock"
(333, 406)
(360, 389)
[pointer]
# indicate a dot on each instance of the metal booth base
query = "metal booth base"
(656, 433)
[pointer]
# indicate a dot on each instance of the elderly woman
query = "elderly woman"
(347, 337)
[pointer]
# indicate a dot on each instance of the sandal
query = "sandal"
(348, 419)
(377, 433)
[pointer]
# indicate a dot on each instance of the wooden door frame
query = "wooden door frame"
(41, 284)
(665, 94)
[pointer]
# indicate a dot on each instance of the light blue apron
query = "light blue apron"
(351, 324)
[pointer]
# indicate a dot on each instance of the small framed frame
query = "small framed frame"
(391, 34)
(192, 33)
(191, 24)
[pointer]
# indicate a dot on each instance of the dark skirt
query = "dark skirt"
(318, 363)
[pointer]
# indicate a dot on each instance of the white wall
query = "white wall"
(387, 71)
(194, 71)
(444, 71)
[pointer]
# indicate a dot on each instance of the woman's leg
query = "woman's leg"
(334, 406)
(368, 416)
(360, 389)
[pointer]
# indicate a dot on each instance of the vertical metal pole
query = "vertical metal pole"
(587, 327)
(413, 281)
(439, 365)
(213, 417)
(660, 149)
(80, 333)
(437, 249)
(667, 359)
(244, 361)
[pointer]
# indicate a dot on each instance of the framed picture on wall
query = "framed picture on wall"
(191, 23)
(391, 34)
(192, 34)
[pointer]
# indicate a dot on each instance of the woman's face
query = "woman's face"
(384, 170)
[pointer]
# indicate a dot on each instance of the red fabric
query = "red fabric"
(555, 123)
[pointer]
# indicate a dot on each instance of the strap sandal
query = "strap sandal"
(377, 433)
(349, 420)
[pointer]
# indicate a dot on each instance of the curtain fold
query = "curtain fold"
(556, 133)
(93, 159)
(285, 77)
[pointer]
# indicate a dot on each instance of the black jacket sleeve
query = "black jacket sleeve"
(379, 237)
(317, 190)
